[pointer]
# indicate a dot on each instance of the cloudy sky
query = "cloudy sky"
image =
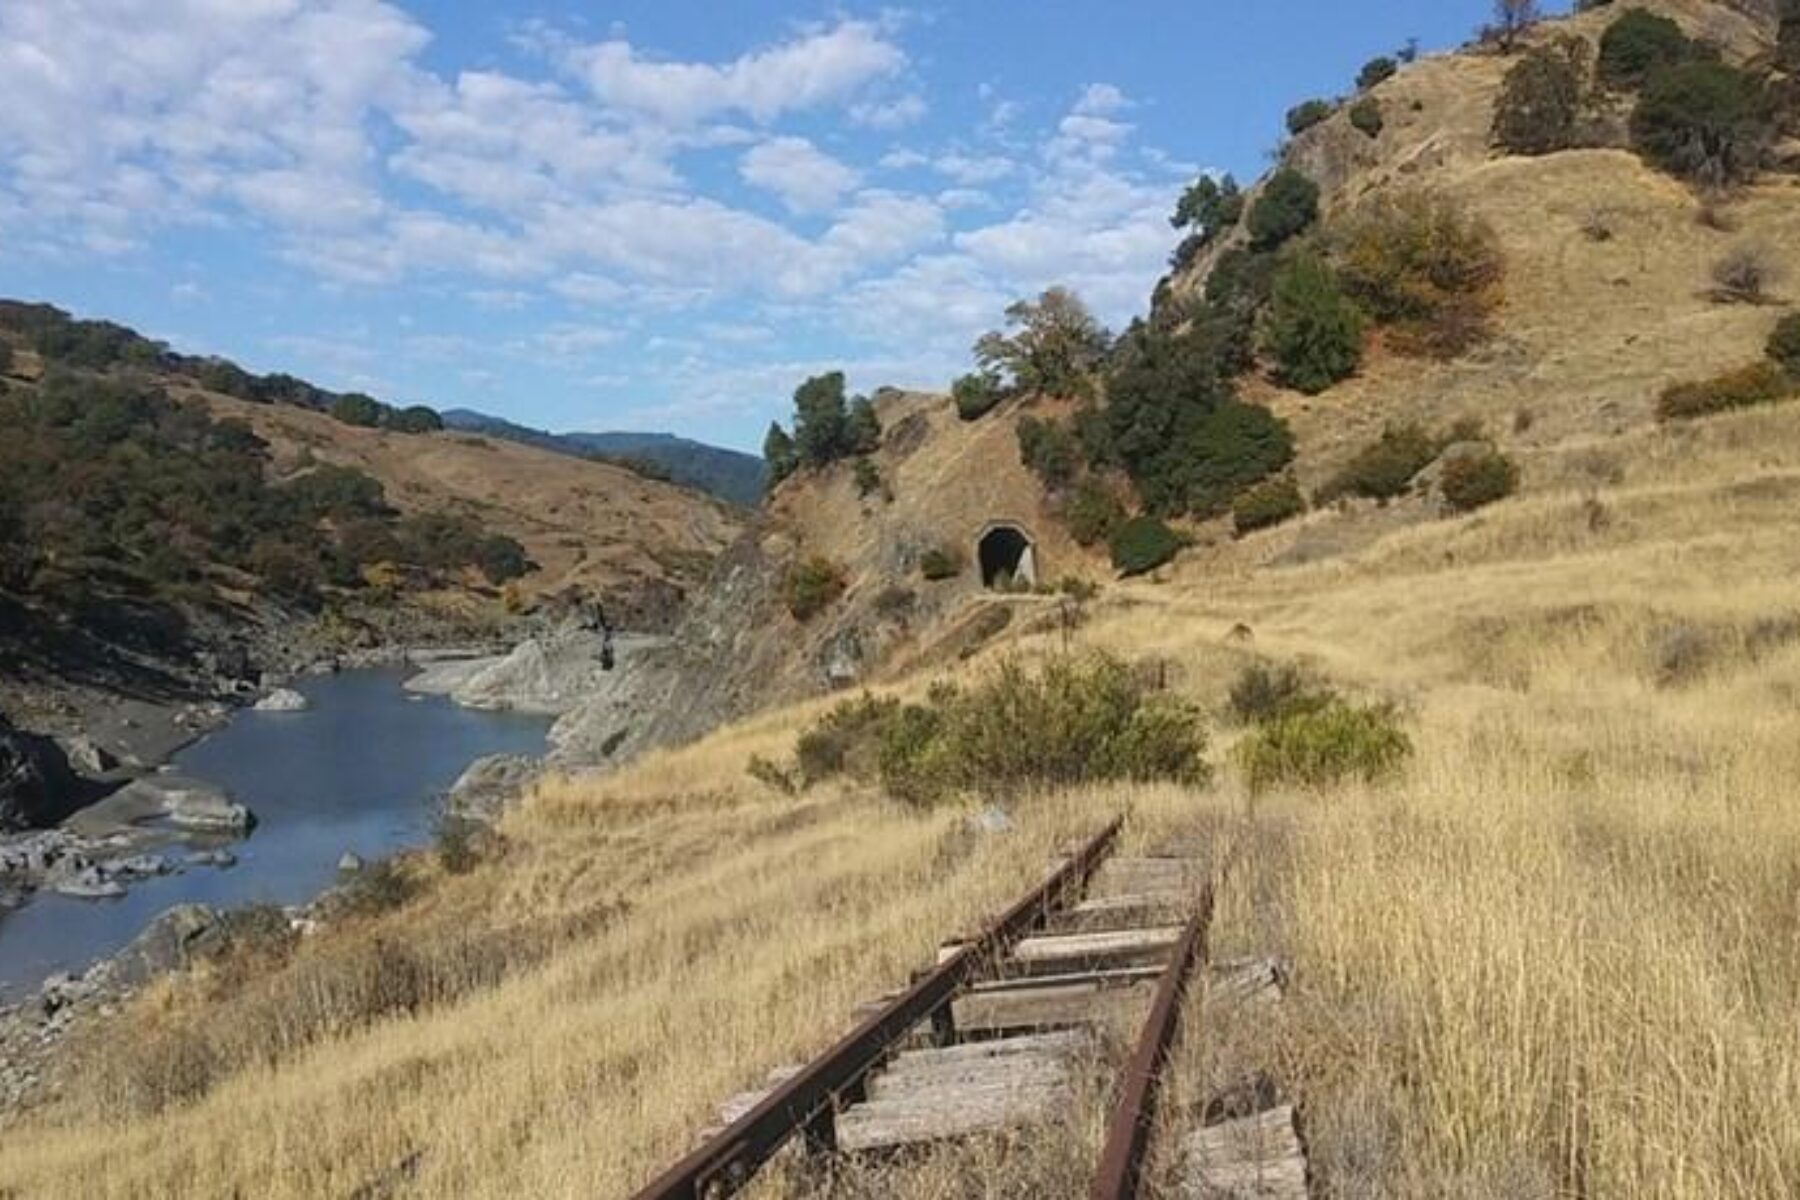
(630, 215)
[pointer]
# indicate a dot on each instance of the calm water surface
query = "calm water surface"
(359, 771)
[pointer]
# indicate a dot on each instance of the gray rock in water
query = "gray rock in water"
(489, 784)
(350, 863)
(187, 803)
(90, 883)
(283, 700)
(222, 859)
(143, 866)
(169, 943)
(36, 785)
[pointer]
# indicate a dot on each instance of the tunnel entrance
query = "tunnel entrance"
(1008, 559)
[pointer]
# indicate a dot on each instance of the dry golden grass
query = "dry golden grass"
(1559, 956)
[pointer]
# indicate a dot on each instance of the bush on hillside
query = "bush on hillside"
(1288, 206)
(1265, 505)
(1365, 116)
(1760, 383)
(1639, 43)
(1071, 723)
(1705, 122)
(977, 394)
(1472, 481)
(1375, 72)
(357, 409)
(1143, 544)
(812, 586)
(1784, 345)
(1241, 279)
(1745, 275)
(1308, 113)
(867, 478)
(1093, 513)
(1539, 109)
(1172, 421)
(415, 418)
(1263, 693)
(1386, 467)
(1050, 450)
(1318, 746)
(1419, 263)
(941, 562)
(1314, 331)
(844, 740)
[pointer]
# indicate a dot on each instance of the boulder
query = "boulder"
(90, 883)
(283, 700)
(489, 784)
(88, 756)
(37, 788)
(169, 943)
(186, 803)
(350, 863)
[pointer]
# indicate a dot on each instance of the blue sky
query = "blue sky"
(643, 215)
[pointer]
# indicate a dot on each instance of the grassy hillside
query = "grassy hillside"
(1554, 953)
(728, 474)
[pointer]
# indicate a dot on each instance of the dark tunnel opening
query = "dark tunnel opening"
(1007, 557)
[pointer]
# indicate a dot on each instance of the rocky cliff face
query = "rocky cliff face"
(37, 788)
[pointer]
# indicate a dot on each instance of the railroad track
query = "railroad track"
(988, 1038)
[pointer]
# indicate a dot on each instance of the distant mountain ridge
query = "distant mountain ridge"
(731, 475)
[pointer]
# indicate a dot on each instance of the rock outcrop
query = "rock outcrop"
(283, 700)
(489, 785)
(37, 788)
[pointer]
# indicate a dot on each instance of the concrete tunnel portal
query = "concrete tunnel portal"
(1007, 556)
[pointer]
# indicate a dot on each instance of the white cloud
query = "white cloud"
(805, 177)
(890, 114)
(1101, 99)
(818, 68)
(971, 169)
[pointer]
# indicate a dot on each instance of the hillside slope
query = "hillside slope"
(1555, 952)
(727, 474)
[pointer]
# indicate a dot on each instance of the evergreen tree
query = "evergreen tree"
(820, 419)
(862, 429)
(1315, 331)
(779, 453)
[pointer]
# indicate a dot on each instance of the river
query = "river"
(359, 771)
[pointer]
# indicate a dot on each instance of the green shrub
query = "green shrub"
(1418, 262)
(1784, 345)
(1365, 116)
(1704, 122)
(1638, 43)
(1473, 481)
(1305, 115)
(1539, 108)
(1262, 693)
(1208, 207)
(1266, 505)
(461, 843)
(1049, 448)
(1318, 746)
(1375, 72)
(1314, 331)
(771, 774)
(1143, 544)
(779, 453)
(844, 740)
(1093, 513)
(379, 887)
(812, 586)
(941, 562)
(977, 394)
(1759, 383)
(1073, 722)
(1386, 467)
(1289, 204)
(416, 418)
(357, 409)
(867, 478)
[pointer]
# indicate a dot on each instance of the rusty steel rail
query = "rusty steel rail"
(1133, 1120)
(807, 1104)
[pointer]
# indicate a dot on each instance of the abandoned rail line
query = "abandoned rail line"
(985, 1041)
